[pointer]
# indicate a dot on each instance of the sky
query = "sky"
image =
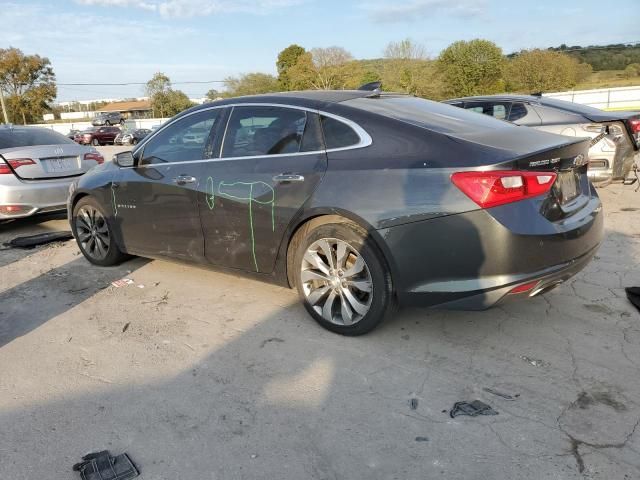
(119, 41)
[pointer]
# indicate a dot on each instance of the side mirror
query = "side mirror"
(124, 159)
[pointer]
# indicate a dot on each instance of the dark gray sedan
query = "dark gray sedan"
(360, 200)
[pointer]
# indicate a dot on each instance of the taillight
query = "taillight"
(99, 159)
(497, 187)
(15, 164)
(634, 124)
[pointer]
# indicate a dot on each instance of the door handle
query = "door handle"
(288, 177)
(184, 179)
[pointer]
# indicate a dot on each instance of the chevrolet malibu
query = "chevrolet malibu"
(360, 200)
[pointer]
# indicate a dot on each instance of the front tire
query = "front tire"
(95, 142)
(94, 234)
(342, 278)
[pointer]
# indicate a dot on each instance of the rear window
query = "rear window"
(438, 117)
(29, 136)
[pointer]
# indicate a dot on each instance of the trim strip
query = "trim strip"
(365, 138)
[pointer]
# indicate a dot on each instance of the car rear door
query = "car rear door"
(271, 161)
(156, 201)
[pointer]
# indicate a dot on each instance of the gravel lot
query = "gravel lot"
(201, 375)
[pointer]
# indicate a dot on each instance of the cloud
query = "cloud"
(192, 8)
(414, 10)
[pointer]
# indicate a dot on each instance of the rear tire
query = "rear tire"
(107, 123)
(342, 278)
(122, 121)
(94, 234)
(134, 141)
(95, 142)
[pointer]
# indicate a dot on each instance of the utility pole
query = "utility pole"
(4, 109)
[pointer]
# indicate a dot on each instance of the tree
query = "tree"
(472, 68)
(542, 71)
(251, 84)
(164, 100)
(213, 94)
(28, 83)
(287, 58)
(632, 70)
(405, 50)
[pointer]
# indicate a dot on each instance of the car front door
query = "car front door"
(156, 201)
(271, 161)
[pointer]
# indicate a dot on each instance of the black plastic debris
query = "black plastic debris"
(32, 241)
(500, 394)
(473, 409)
(633, 294)
(102, 466)
(413, 403)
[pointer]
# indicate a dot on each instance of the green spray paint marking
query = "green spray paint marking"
(259, 188)
(115, 205)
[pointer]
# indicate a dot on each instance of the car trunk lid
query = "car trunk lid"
(48, 161)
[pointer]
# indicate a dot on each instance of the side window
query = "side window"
(518, 111)
(257, 131)
(338, 134)
(189, 138)
(496, 110)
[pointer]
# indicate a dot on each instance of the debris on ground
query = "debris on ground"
(102, 466)
(413, 403)
(123, 282)
(32, 241)
(161, 301)
(633, 294)
(473, 409)
(422, 439)
(534, 361)
(502, 395)
(126, 327)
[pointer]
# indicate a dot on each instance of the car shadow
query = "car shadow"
(34, 225)
(34, 302)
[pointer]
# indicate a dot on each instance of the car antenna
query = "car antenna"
(374, 87)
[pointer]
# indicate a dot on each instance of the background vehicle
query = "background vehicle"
(108, 118)
(36, 167)
(72, 133)
(358, 199)
(131, 137)
(97, 136)
(615, 135)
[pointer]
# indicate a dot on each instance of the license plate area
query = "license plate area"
(59, 164)
(568, 186)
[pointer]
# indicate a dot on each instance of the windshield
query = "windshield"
(29, 136)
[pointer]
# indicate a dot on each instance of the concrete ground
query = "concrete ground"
(201, 375)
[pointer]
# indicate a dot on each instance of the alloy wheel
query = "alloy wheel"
(336, 281)
(93, 232)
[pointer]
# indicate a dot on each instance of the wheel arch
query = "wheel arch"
(319, 217)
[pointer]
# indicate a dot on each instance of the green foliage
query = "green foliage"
(212, 95)
(608, 57)
(287, 58)
(405, 49)
(472, 68)
(251, 84)
(165, 101)
(28, 84)
(632, 71)
(542, 71)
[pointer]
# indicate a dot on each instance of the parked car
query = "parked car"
(97, 136)
(72, 133)
(615, 135)
(108, 118)
(358, 199)
(131, 137)
(37, 165)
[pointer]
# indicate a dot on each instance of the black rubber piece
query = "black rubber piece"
(102, 466)
(32, 241)
(473, 409)
(633, 294)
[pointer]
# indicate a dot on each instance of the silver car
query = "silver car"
(37, 165)
(615, 136)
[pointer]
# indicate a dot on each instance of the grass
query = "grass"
(607, 79)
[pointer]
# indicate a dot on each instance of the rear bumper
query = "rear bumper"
(473, 260)
(34, 196)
